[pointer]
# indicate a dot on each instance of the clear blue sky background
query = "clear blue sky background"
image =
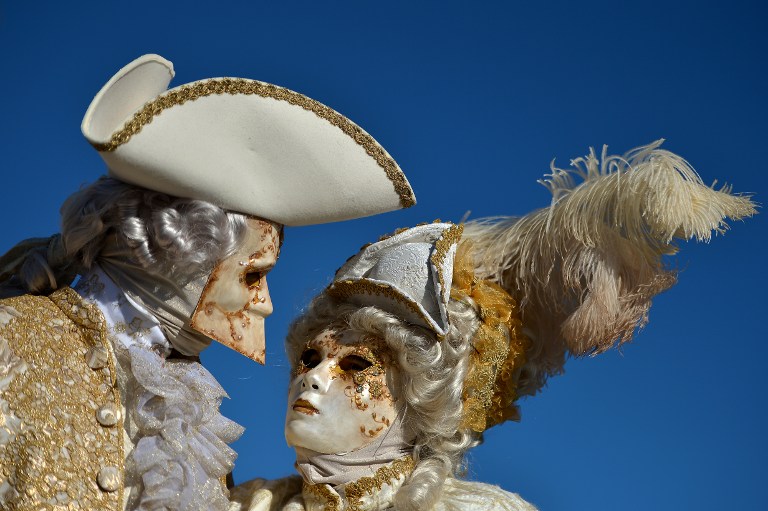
(473, 101)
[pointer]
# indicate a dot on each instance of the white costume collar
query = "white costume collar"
(128, 322)
(180, 453)
(373, 493)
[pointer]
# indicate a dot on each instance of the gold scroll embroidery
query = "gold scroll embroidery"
(53, 463)
(389, 474)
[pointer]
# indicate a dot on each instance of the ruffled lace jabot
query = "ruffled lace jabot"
(180, 453)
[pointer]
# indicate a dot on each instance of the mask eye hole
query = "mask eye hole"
(310, 357)
(253, 278)
(354, 363)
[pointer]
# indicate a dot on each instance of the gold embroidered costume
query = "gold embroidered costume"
(61, 442)
(375, 493)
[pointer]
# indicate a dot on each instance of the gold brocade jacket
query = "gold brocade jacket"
(61, 440)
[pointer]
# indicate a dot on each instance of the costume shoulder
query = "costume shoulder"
(265, 495)
(60, 427)
(473, 496)
(286, 495)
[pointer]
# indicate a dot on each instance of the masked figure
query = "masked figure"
(103, 402)
(428, 337)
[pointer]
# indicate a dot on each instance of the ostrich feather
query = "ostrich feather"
(586, 268)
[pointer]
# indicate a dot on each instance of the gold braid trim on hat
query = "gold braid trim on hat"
(490, 388)
(449, 238)
(232, 86)
(347, 289)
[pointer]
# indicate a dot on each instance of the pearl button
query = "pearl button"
(108, 479)
(108, 415)
(97, 357)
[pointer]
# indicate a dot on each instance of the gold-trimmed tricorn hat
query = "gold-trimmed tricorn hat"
(242, 144)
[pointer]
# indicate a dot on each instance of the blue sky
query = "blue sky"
(473, 102)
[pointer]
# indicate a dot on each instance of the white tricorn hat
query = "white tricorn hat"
(244, 145)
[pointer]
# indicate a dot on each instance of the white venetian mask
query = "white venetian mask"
(340, 399)
(236, 299)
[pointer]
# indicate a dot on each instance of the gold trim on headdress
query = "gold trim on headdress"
(499, 346)
(350, 289)
(443, 247)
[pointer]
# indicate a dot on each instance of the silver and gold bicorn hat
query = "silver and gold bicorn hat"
(244, 145)
(408, 274)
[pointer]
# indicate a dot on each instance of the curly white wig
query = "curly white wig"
(181, 237)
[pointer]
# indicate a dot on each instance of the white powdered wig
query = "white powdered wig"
(586, 268)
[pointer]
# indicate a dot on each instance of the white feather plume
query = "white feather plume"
(586, 268)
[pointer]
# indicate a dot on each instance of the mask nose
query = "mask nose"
(263, 304)
(318, 379)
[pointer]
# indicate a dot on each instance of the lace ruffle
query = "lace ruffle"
(181, 452)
